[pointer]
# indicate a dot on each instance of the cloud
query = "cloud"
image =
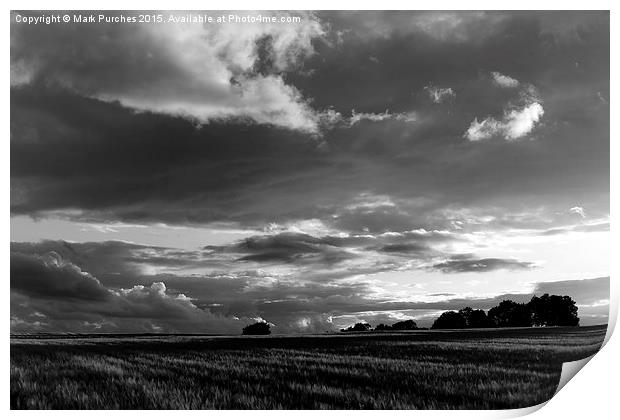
(50, 277)
(292, 254)
(439, 95)
(515, 124)
(590, 227)
(311, 301)
(444, 26)
(154, 168)
(291, 279)
(504, 81)
(519, 116)
(482, 265)
(201, 72)
(71, 300)
(290, 247)
(578, 210)
(226, 302)
(404, 248)
(119, 264)
(362, 116)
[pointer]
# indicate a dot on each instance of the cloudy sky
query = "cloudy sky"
(351, 166)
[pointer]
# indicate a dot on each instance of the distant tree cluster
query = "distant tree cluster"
(408, 324)
(260, 328)
(544, 311)
(359, 327)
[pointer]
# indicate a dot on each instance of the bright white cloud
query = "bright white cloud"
(578, 210)
(362, 116)
(520, 122)
(265, 100)
(371, 201)
(202, 72)
(504, 81)
(439, 95)
(515, 124)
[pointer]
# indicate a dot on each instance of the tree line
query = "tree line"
(408, 324)
(544, 311)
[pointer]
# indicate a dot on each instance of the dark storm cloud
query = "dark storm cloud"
(51, 294)
(48, 277)
(405, 248)
(301, 249)
(289, 247)
(150, 168)
(69, 152)
(482, 265)
(119, 264)
(141, 159)
(320, 259)
(450, 49)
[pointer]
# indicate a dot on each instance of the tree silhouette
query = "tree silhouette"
(510, 314)
(408, 324)
(475, 318)
(383, 327)
(449, 319)
(543, 311)
(260, 328)
(553, 311)
(360, 326)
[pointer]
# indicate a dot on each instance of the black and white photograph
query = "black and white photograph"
(306, 210)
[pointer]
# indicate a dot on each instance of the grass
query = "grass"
(478, 369)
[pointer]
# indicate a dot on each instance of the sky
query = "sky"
(314, 172)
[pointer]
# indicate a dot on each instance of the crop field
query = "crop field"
(467, 369)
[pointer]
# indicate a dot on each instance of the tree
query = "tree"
(510, 314)
(553, 310)
(383, 327)
(474, 318)
(408, 324)
(260, 328)
(360, 326)
(450, 319)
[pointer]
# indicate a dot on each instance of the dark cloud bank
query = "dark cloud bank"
(74, 128)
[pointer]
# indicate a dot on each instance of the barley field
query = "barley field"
(474, 369)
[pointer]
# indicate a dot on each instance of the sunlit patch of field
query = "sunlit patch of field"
(508, 368)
